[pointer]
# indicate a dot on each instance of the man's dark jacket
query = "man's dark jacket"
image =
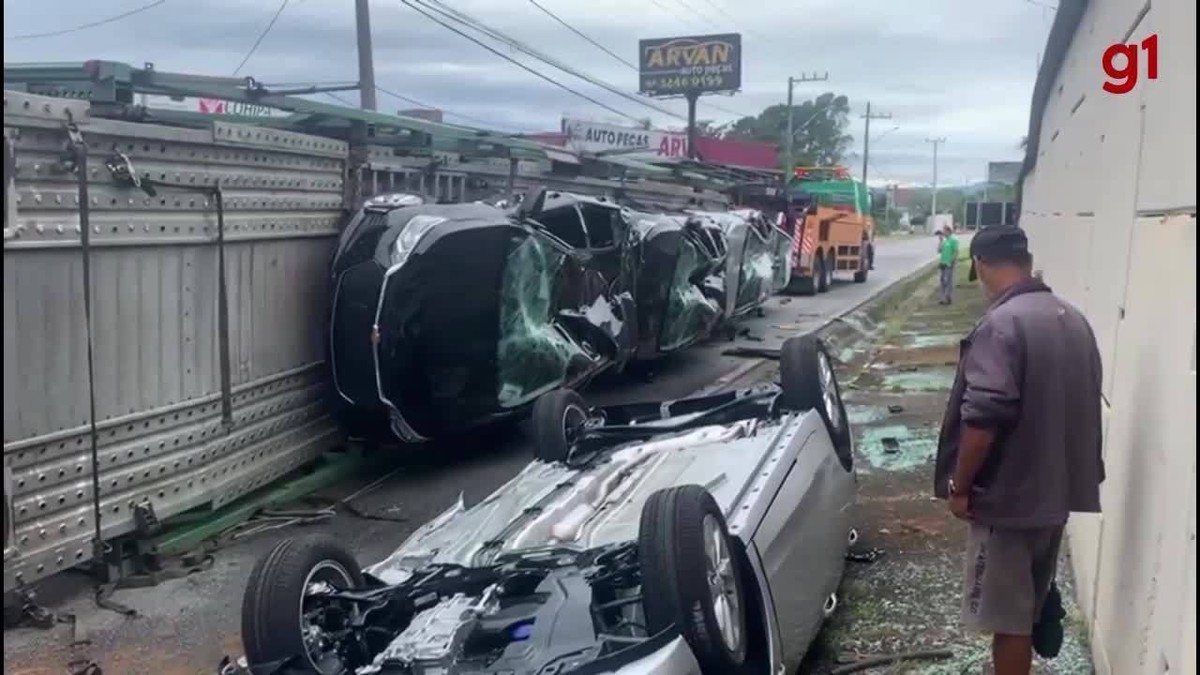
(1030, 370)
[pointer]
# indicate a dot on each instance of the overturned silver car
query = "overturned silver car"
(704, 535)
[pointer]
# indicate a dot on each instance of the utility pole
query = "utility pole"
(366, 61)
(693, 152)
(936, 142)
(867, 135)
(790, 140)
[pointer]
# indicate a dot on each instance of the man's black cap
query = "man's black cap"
(1001, 242)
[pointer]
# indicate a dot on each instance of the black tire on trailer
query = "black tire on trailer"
(682, 544)
(274, 620)
(558, 416)
(871, 256)
(864, 262)
(823, 273)
(809, 382)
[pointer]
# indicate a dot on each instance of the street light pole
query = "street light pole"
(790, 139)
(936, 142)
(366, 61)
(867, 136)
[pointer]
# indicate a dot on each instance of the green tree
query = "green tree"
(818, 129)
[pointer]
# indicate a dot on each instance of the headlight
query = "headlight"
(394, 201)
(416, 228)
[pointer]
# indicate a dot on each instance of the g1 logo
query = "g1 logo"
(1121, 64)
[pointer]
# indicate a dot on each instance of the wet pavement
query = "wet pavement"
(185, 625)
(895, 382)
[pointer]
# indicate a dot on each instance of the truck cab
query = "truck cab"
(828, 215)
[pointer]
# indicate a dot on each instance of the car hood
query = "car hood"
(555, 506)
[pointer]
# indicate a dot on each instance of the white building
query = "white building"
(1109, 201)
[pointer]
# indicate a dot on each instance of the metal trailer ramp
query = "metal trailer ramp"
(176, 427)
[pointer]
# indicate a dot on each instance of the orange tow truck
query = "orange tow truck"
(828, 216)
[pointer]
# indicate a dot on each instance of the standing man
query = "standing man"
(947, 257)
(1020, 445)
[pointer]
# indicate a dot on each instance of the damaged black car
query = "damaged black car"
(448, 316)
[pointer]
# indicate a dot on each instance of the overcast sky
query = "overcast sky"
(959, 69)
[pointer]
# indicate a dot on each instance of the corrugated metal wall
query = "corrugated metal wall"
(1110, 208)
(156, 322)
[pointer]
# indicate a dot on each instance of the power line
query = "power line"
(718, 9)
(693, 10)
(498, 35)
(576, 31)
(471, 22)
(666, 10)
(92, 24)
(517, 63)
(271, 24)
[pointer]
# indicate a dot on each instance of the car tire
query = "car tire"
(272, 628)
(809, 382)
(677, 562)
(557, 416)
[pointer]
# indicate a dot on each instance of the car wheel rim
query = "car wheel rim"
(319, 650)
(574, 419)
(722, 584)
(829, 391)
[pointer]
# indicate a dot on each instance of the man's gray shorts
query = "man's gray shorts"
(1008, 573)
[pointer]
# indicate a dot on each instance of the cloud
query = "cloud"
(963, 70)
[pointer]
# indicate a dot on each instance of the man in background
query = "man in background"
(947, 257)
(1020, 448)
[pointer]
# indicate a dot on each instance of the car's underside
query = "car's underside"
(455, 620)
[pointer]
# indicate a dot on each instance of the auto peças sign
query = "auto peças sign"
(690, 65)
(627, 141)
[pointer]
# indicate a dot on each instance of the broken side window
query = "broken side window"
(689, 313)
(602, 225)
(533, 355)
(566, 224)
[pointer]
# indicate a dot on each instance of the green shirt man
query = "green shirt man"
(949, 249)
(947, 255)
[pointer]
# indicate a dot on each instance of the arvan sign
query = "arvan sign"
(592, 137)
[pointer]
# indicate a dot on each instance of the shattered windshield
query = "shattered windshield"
(689, 312)
(533, 354)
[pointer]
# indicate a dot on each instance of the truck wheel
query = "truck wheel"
(558, 417)
(864, 263)
(285, 621)
(823, 272)
(691, 577)
(810, 383)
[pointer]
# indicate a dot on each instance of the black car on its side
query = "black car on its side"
(446, 316)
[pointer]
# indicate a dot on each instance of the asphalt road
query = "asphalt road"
(185, 625)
